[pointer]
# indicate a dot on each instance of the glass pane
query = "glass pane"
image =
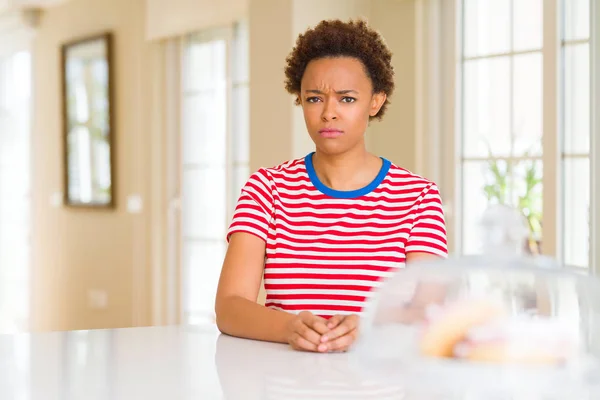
(240, 132)
(15, 212)
(240, 54)
(241, 173)
(486, 27)
(204, 128)
(576, 215)
(577, 99)
(486, 107)
(197, 71)
(577, 19)
(204, 203)
(483, 183)
(527, 104)
(14, 196)
(527, 196)
(204, 65)
(15, 82)
(527, 24)
(202, 261)
(4, 90)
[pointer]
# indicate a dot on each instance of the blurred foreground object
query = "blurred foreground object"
(499, 324)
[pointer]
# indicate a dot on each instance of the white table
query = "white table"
(173, 363)
(192, 363)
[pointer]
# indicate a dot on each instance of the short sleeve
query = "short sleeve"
(254, 207)
(428, 232)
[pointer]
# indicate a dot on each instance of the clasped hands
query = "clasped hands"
(308, 332)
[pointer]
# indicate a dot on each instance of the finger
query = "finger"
(348, 324)
(316, 323)
(300, 343)
(335, 321)
(341, 343)
(308, 333)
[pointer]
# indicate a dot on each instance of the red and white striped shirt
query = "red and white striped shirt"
(326, 250)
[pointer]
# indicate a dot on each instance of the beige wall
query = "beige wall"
(394, 136)
(79, 250)
(271, 110)
(177, 17)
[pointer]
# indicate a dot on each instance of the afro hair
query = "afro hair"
(335, 38)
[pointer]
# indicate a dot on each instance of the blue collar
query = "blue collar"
(342, 194)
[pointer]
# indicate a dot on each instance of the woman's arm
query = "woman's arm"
(425, 294)
(421, 256)
(239, 315)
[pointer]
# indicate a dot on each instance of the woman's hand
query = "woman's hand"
(342, 332)
(305, 332)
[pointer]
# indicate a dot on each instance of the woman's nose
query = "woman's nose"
(329, 111)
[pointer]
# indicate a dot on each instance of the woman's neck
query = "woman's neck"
(349, 171)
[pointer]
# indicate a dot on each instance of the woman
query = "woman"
(326, 229)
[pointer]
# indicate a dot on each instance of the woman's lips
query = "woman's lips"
(330, 133)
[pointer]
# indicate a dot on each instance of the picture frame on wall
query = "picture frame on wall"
(88, 122)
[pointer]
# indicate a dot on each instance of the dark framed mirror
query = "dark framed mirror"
(88, 115)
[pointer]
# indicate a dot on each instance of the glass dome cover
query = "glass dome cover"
(498, 325)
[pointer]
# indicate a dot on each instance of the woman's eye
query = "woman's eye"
(348, 99)
(312, 99)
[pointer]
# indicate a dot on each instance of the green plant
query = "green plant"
(502, 185)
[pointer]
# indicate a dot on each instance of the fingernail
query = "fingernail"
(330, 325)
(322, 347)
(324, 339)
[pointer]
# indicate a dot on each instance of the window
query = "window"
(15, 92)
(502, 113)
(214, 157)
(525, 108)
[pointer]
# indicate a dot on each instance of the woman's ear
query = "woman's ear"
(298, 100)
(376, 103)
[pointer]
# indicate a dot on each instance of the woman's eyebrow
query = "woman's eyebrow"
(345, 91)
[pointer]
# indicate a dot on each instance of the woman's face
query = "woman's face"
(337, 99)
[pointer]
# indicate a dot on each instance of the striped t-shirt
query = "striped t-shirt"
(327, 249)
